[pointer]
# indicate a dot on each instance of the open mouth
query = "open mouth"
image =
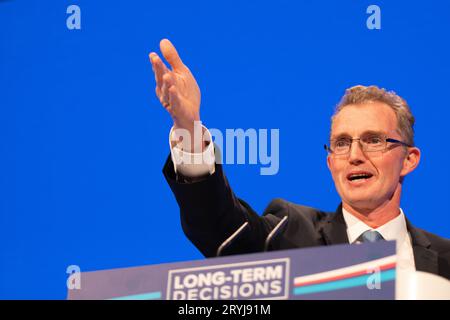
(359, 176)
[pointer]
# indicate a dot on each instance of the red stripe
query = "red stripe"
(344, 276)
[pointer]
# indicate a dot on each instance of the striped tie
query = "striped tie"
(370, 236)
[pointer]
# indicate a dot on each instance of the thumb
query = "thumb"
(171, 55)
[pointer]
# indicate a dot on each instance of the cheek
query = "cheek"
(389, 169)
(337, 172)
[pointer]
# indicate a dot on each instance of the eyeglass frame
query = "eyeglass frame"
(386, 139)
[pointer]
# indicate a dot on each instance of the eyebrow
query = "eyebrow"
(347, 135)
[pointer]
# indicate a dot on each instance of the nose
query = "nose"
(356, 154)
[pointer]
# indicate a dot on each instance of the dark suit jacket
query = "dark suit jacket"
(211, 212)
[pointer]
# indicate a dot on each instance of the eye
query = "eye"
(373, 139)
(342, 143)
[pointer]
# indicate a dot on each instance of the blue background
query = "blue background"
(83, 138)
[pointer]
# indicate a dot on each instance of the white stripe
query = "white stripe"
(338, 272)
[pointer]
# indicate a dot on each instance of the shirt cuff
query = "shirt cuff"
(192, 165)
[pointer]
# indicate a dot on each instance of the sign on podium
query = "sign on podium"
(364, 271)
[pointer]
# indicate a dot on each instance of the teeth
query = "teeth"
(359, 176)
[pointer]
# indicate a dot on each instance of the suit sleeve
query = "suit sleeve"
(210, 212)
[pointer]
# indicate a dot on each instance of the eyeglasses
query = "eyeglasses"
(369, 143)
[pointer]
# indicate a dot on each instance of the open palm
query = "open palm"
(176, 89)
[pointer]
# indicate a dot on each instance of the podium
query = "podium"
(363, 271)
(422, 286)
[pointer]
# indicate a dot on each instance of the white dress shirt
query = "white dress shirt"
(392, 230)
(192, 165)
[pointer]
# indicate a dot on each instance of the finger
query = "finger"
(158, 91)
(171, 55)
(152, 56)
(168, 81)
(174, 98)
(159, 68)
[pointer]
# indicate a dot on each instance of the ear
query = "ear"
(329, 161)
(411, 161)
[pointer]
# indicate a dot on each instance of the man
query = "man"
(371, 151)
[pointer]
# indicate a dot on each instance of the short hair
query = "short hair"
(360, 94)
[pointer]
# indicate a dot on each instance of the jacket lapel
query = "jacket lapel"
(334, 230)
(425, 258)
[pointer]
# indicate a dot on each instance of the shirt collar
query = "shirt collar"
(394, 229)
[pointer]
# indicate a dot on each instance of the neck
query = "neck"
(381, 214)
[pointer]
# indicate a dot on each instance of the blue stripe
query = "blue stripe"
(141, 296)
(387, 275)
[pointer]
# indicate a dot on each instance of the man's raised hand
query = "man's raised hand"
(176, 89)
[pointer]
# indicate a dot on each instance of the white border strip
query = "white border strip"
(338, 272)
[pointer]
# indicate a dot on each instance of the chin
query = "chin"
(362, 203)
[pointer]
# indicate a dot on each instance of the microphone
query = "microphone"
(275, 231)
(230, 239)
